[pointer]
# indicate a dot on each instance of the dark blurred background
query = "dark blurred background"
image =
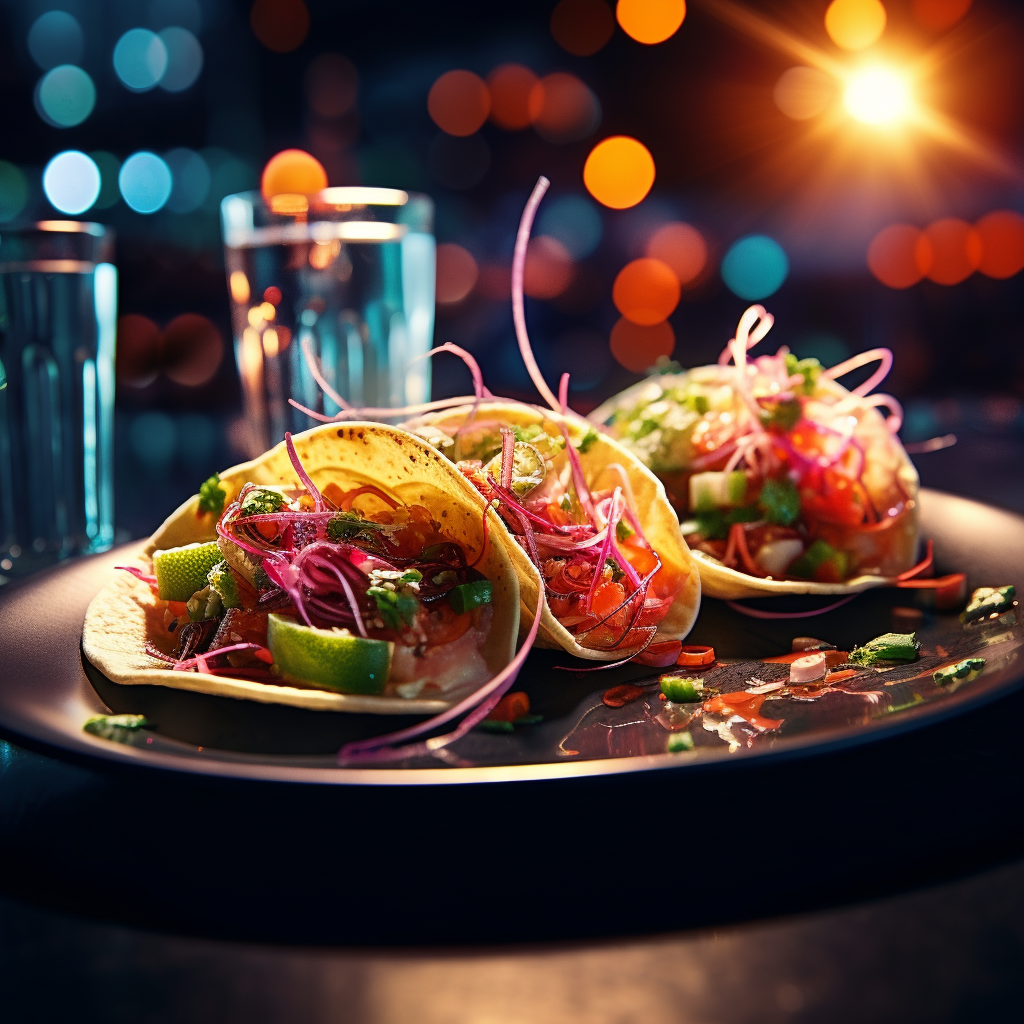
(743, 146)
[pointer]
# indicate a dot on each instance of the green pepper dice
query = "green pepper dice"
(682, 689)
(888, 647)
(467, 596)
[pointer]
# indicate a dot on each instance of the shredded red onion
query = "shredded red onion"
(313, 364)
(613, 520)
(563, 393)
(139, 574)
(882, 355)
(578, 479)
(518, 308)
(508, 441)
(300, 471)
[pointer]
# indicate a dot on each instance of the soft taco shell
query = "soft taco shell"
(659, 521)
(884, 454)
(397, 462)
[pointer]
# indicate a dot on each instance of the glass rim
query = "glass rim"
(336, 197)
(63, 227)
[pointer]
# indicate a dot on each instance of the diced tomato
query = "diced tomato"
(607, 598)
(830, 571)
(661, 655)
(560, 606)
(268, 531)
(511, 707)
(557, 515)
(642, 559)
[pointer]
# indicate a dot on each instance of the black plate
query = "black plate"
(530, 841)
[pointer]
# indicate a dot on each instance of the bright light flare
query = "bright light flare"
(878, 96)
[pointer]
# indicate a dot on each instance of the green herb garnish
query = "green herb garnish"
(395, 608)
(224, 583)
(679, 741)
(986, 601)
(113, 727)
(212, 496)
(779, 501)
(261, 501)
(888, 647)
(962, 672)
(467, 596)
(809, 368)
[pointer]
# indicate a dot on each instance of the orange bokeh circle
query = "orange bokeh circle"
(637, 347)
(139, 350)
(562, 108)
(619, 172)
(855, 24)
(1002, 243)
(548, 270)
(457, 273)
(292, 171)
(949, 251)
(280, 25)
(459, 102)
(682, 247)
(582, 27)
(510, 86)
(646, 291)
(897, 256)
(650, 21)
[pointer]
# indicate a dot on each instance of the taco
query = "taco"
(786, 482)
(347, 569)
(581, 514)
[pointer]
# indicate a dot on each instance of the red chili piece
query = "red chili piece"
(618, 696)
(696, 656)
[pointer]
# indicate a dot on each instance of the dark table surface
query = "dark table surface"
(952, 951)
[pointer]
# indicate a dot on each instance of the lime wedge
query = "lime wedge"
(329, 659)
(180, 572)
(528, 468)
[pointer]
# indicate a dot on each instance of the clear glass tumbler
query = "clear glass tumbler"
(58, 313)
(347, 275)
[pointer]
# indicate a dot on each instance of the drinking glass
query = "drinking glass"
(58, 308)
(345, 276)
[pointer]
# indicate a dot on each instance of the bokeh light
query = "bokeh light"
(637, 347)
(755, 267)
(619, 172)
(280, 25)
(457, 273)
(71, 181)
(802, 92)
(878, 96)
(192, 349)
(238, 285)
(140, 59)
(145, 182)
(65, 96)
(458, 163)
(292, 171)
(563, 109)
(575, 221)
(1002, 242)
(650, 21)
(646, 291)
(954, 247)
(895, 257)
(681, 247)
(55, 38)
(184, 59)
(13, 191)
(459, 102)
(109, 167)
(938, 15)
(854, 24)
(153, 437)
(191, 180)
(582, 27)
(548, 270)
(510, 86)
(331, 84)
(139, 350)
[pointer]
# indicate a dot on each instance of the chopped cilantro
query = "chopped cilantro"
(396, 609)
(261, 501)
(114, 727)
(781, 414)
(714, 523)
(962, 672)
(779, 501)
(212, 496)
(583, 446)
(623, 531)
(350, 525)
(888, 647)
(810, 370)
(679, 741)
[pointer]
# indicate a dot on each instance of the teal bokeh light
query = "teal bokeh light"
(71, 181)
(755, 267)
(65, 96)
(55, 38)
(140, 59)
(145, 182)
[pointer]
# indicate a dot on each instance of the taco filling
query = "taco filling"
(346, 590)
(776, 470)
(604, 581)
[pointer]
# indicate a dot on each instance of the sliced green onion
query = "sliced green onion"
(467, 596)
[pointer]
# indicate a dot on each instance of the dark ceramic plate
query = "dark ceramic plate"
(580, 826)
(48, 693)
